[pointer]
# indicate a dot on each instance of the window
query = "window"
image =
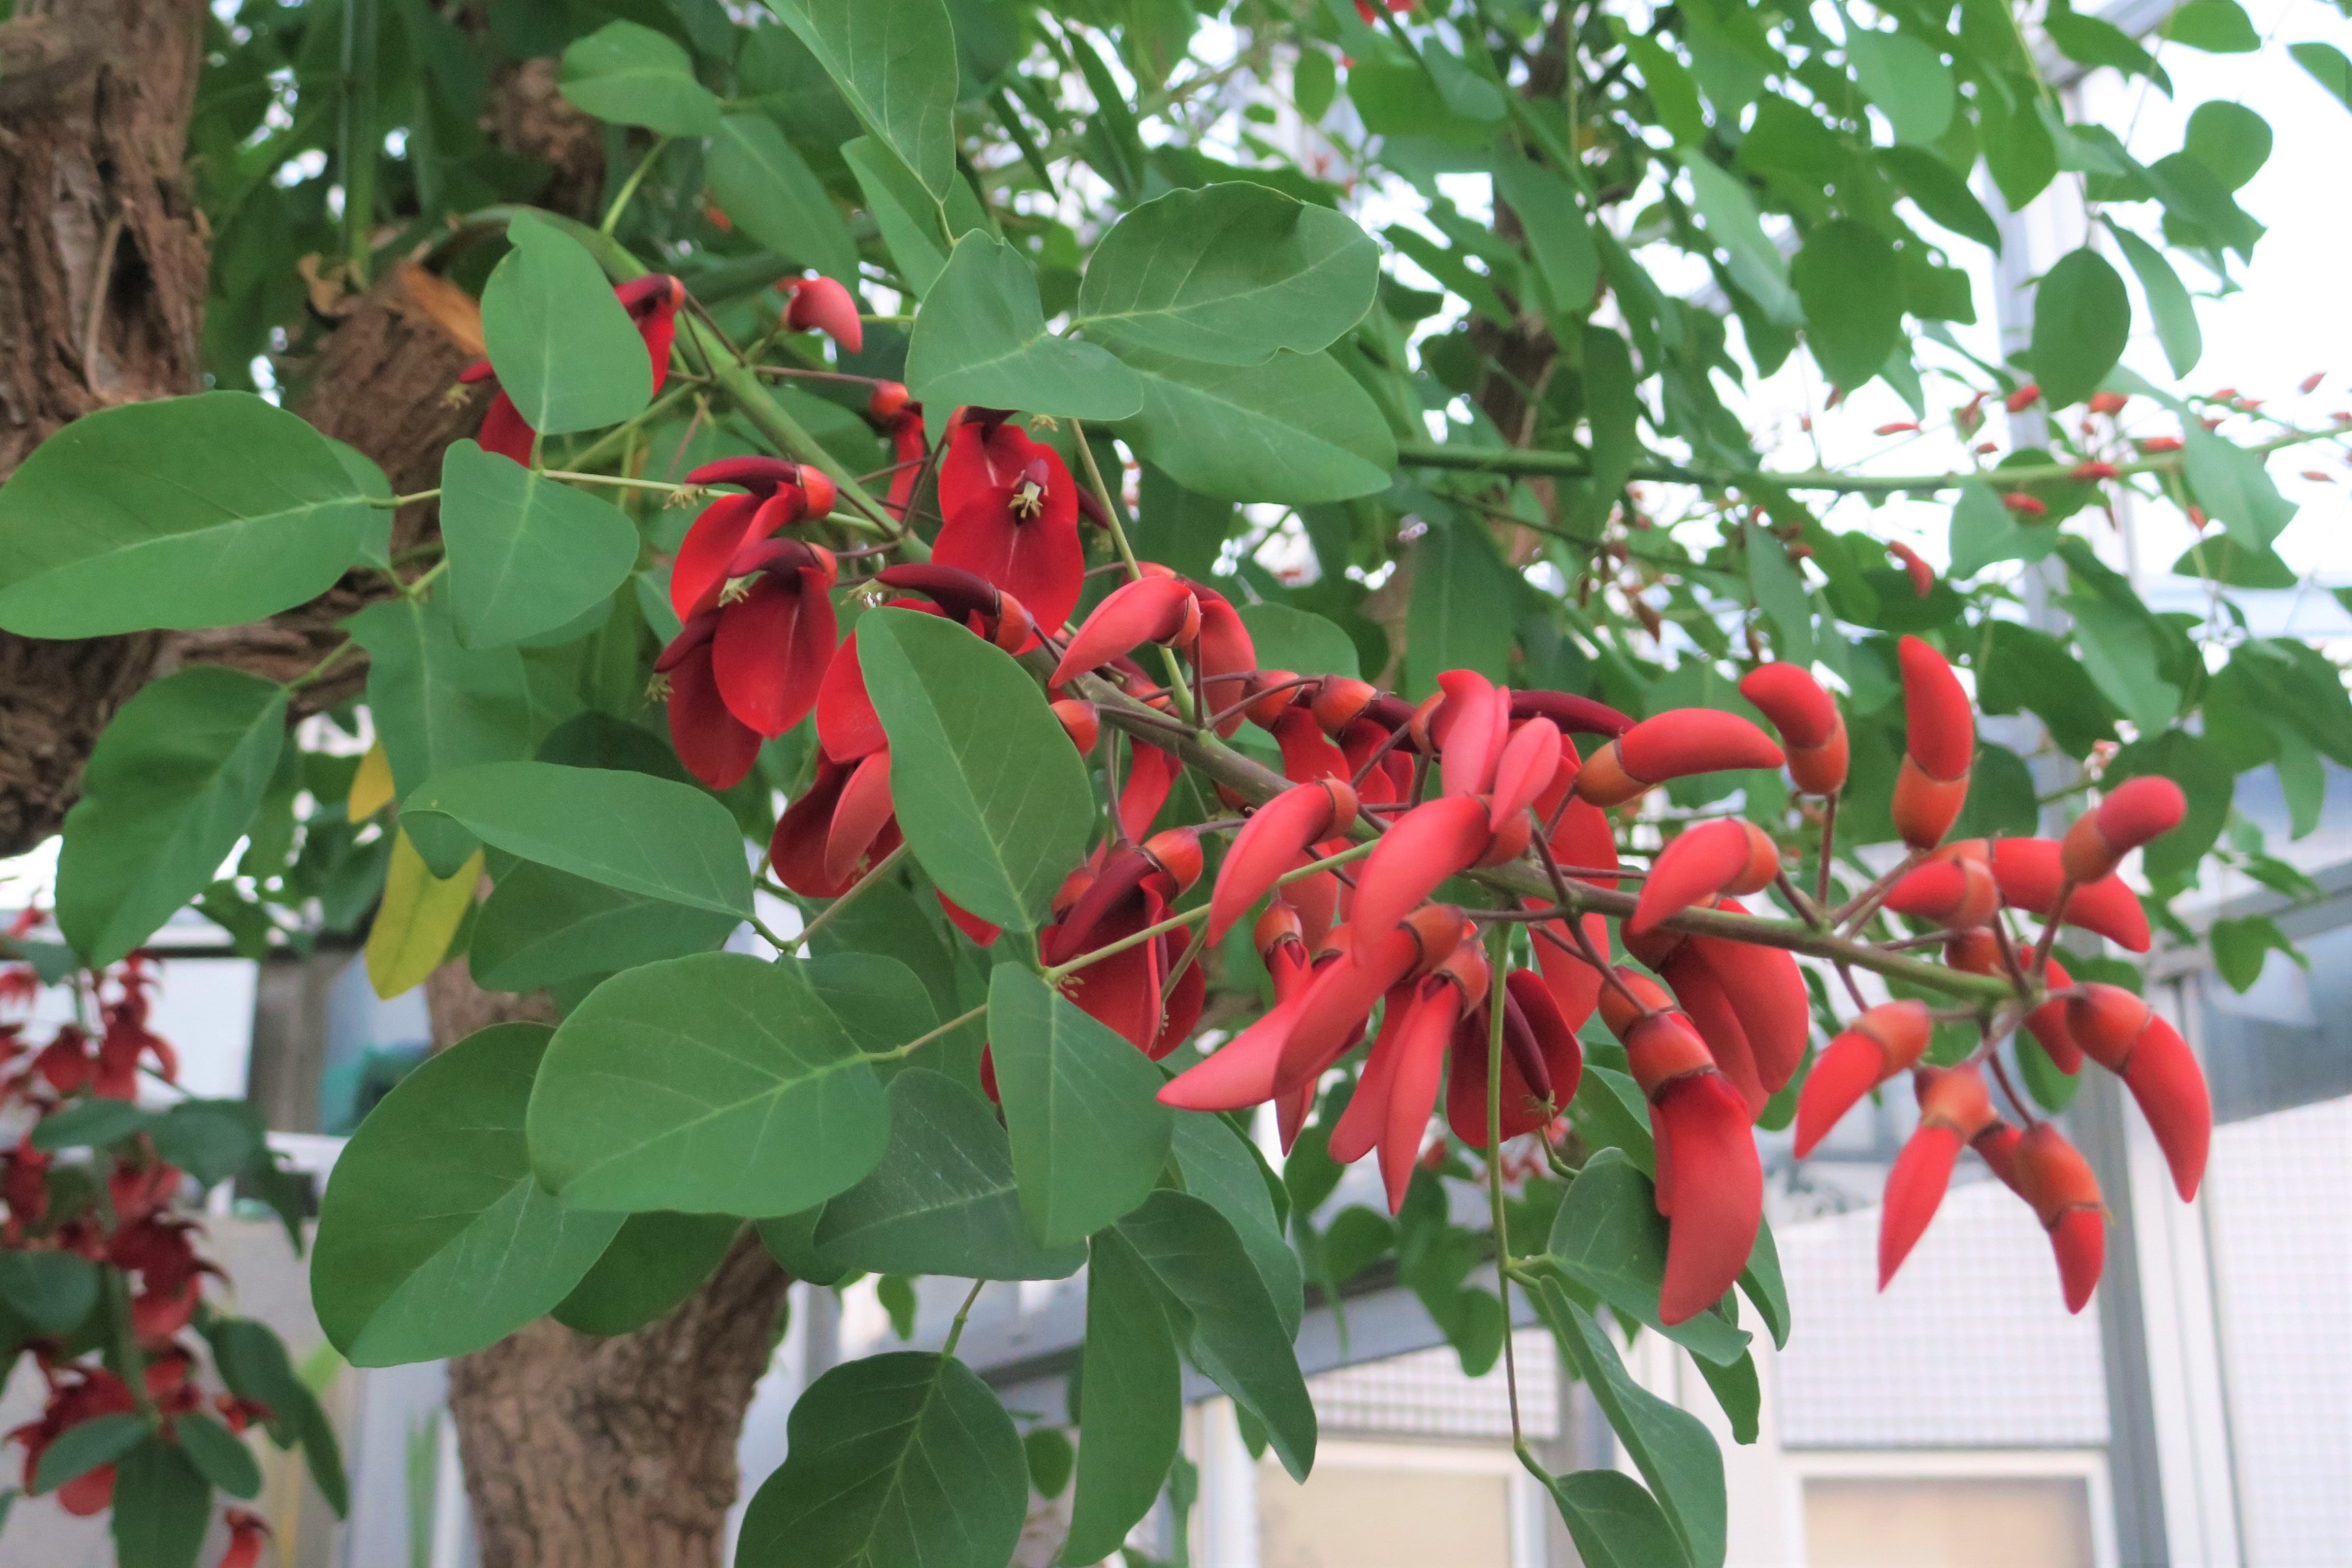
(1947, 1522)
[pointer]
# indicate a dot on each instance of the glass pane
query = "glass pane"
(1361, 1516)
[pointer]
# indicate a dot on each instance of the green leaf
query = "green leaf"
(655, 1261)
(906, 214)
(434, 1239)
(1081, 1107)
(2120, 649)
(1779, 587)
(1314, 83)
(1230, 274)
(179, 512)
(1740, 1393)
(710, 1084)
(894, 62)
(90, 1123)
(2226, 561)
(903, 1460)
(634, 76)
(628, 831)
(1235, 1337)
(1557, 236)
(1299, 640)
(2168, 300)
(1614, 1523)
(990, 794)
(168, 790)
(1669, 1446)
(1130, 1401)
(2082, 318)
(1941, 192)
(1227, 1172)
(980, 338)
(438, 706)
(877, 997)
(2230, 140)
(52, 1292)
(541, 926)
(161, 1508)
(1674, 96)
(1985, 533)
(1761, 1283)
(942, 1200)
(1175, 527)
(1297, 429)
(563, 348)
(1610, 1112)
(1458, 617)
(1608, 1237)
(2328, 67)
(527, 553)
(2234, 486)
(252, 1361)
(768, 191)
(1906, 78)
(1754, 262)
(2242, 946)
(1853, 293)
(217, 1454)
(86, 1445)
(2216, 27)
(1050, 1455)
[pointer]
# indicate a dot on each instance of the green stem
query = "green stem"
(1569, 464)
(322, 667)
(881, 869)
(899, 1051)
(629, 187)
(955, 1330)
(1498, 953)
(617, 438)
(623, 481)
(394, 503)
(414, 587)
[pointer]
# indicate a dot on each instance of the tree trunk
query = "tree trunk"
(102, 263)
(607, 1453)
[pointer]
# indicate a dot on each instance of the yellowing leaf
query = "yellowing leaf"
(417, 920)
(371, 788)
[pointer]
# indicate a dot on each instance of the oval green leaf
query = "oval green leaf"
(942, 1198)
(2082, 318)
(1130, 1401)
(1230, 273)
(540, 926)
(1852, 289)
(628, 831)
(903, 1460)
(563, 348)
(434, 1237)
(770, 192)
(990, 792)
(169, 790)
(894, 62)
(980, 338)
(181, 512)
(1297, 429)
(655, 1261)
(712, 1084)
(1608, 1237)
(527, 553)
(1081, 1106)
(1236, 1336)
(631, 74)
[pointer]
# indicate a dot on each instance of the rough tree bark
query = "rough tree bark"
(607, 1453)
(103, 262)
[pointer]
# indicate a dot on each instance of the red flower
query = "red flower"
(751, 659)
(1011, 515)
(777, 495)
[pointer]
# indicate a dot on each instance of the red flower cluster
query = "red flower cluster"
(134, 1230)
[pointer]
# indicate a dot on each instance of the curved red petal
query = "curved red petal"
(1435, 841)
(846, 724)
(1149, 610)
(504, 431)
(1848, 1068)
(1274, 841)
(771, 651)
(716, 747)
(1529, 762)
(1412, 1086)
(859, 817)
(1719, 1193)
(2165, 1079)
(1915, 1190)
(1701, 995)
(1939, 727)
(1040, 561)
(1691, 870)
(1690, 740)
